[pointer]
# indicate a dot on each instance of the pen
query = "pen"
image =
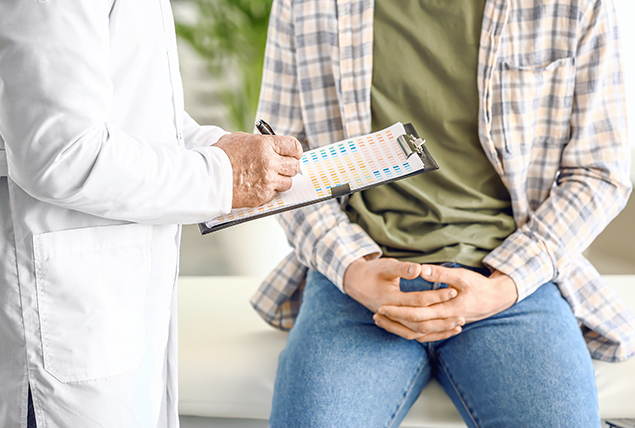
(264, 128)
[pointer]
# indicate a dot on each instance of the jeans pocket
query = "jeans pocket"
(91, 286)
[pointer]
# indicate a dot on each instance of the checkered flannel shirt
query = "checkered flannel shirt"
(552, 122)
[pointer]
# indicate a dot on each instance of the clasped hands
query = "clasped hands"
(432, 315)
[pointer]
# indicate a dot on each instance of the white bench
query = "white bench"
(228, 358)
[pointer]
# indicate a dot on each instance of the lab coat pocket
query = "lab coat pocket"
(91, 287)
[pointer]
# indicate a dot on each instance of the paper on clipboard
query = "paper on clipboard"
(342, 168)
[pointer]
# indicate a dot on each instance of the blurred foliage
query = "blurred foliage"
(230, 35)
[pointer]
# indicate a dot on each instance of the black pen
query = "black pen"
(264, 128)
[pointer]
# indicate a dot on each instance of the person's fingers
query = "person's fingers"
(407, 333)
(396, 328)
(288, 166)
(287, 146)
(420, 299)
(434, 273)
(435, 326)
(434, 337)
(394, 268)
(426, 327)
(419, 313)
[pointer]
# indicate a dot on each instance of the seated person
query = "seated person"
(473, 274)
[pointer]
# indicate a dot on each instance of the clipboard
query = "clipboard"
(340, 169)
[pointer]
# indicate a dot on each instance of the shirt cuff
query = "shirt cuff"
(341, 247)
(525, 260)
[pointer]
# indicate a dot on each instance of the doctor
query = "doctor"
(98, 165)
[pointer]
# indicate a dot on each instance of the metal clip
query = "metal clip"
(411, 144)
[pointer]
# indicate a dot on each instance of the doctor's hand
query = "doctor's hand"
(375, 284)
(478, 297)
(262, 165)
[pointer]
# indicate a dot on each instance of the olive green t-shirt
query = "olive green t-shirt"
(425, 59)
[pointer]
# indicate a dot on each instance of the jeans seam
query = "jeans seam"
(467, 408)
(407, 393)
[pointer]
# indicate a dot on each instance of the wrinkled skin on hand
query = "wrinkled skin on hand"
(262, 165)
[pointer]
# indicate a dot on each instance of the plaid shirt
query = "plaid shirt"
(552, 122)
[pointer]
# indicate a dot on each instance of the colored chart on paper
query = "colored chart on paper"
(359, 162)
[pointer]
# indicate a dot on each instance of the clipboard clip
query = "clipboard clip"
(411, 144)
(341, 190)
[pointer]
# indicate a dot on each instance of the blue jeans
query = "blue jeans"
(525, 367)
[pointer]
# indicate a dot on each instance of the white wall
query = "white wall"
(613, 252)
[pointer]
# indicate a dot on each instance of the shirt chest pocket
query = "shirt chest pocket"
(534, 103)
(91, 286)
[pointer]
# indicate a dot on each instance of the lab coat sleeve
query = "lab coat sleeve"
(196, 135)
(55, 100)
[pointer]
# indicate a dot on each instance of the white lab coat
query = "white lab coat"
(98, 165)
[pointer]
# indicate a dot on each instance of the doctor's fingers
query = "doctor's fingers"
(286, 165)
(286, 146)
(429, 331)
(282, 184)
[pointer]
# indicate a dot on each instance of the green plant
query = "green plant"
(231, 35)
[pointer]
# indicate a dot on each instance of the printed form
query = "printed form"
(360, 162)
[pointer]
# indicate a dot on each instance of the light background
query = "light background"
(254, 248)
